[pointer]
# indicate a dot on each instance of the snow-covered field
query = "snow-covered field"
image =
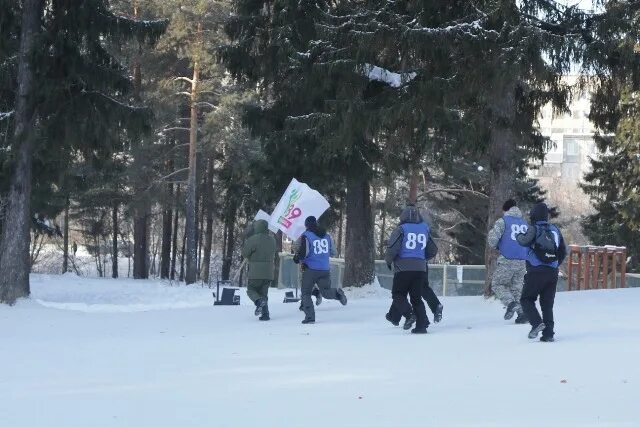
(92, 352)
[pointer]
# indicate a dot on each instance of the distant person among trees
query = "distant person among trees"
(260, 250)
(546, 252)
(314, 251)
(508, 277)
(407, 254)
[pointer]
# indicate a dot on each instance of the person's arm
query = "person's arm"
(332, 248)
(495, 234)
(526, 239)
(431, 250)
(393, 246)
(248, 248)
(302, 250)
(562, 250)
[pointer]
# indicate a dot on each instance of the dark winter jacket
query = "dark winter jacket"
(410, 215)
(301, 252)
(540, 213)
(260, 251)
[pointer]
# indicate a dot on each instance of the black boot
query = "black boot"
(511, 310)
(260, 303)
(409, 321)
(341, 296)
(546, 339)
(521, 319)
(437, 316)
(419, 331)
(308, 321)
(535, 331)
(265, 313)
(393, 322)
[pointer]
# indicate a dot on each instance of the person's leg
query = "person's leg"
(517, 282)
(530, 292)
(324, 284)
(399, 291)
(547, 299)
(264, 294)
(253, 289)
(415, 293)
(308, 281)
(254, 292)
(316, 293)
(393, 315)
(500, 284)
(430, 297)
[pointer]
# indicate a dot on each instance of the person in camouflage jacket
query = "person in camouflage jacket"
(508, 277)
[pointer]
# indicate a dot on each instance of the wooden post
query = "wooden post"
(623, 268)
(614, 268)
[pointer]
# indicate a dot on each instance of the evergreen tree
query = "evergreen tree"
(612, 60)
(75, 106)
(614, 183)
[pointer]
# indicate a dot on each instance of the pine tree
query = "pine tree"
(80, 99)
(613, 59)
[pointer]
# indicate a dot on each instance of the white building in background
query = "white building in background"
(566, 163)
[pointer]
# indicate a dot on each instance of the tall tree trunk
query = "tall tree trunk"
(200, 228)
(165, 255)
(383, 229)
(190, 227)
(229, 225)
(141, 242)
(359, 251)
(502, 169)
(141, 209)
(208, 207)
(16, 236)
(174, 249)
(65, 238)
(277, 257)
(340, 232)
(184, 244)
(413, 187)
(114, 242)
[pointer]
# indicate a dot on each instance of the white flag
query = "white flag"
(298, 202)
(265, 216)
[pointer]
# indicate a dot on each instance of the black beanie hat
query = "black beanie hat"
(508, 205)
(311, 221)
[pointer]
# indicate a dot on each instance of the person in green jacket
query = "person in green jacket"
(260, 250)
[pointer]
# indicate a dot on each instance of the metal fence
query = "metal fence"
(445, 279)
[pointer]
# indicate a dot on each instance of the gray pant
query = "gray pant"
(323, 280)
(508, 280)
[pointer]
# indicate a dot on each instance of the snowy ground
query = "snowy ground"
(91, 352)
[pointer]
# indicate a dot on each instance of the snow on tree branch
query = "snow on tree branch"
(5, 116)
(373, 72)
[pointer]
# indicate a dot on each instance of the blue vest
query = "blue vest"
(533, 259)
(318, 251)
(508, 245)
(414, 240)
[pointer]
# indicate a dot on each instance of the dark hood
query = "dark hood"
(539, 212)
(410, 215)
(260, 226)
(317, 230)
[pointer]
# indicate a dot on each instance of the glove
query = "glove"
(296, 259)
(389, 267)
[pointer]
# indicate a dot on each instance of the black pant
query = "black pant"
(540, 281)
(427, 294)
(411, 283)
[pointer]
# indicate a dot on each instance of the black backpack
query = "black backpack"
(544, 246)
